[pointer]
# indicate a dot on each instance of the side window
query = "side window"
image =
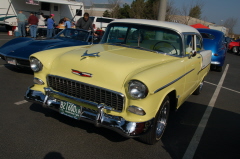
(199, 43)
(117, 34)
(189, 43)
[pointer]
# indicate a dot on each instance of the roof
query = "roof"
(175, 26)
(216, 33)
(198, 25)
(62, 2)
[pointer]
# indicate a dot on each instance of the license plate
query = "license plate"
(70, 109)
(11, 61)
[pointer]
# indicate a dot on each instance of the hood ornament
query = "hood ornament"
(90, 55)
(84, 74)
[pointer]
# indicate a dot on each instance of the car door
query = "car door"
(193, 62)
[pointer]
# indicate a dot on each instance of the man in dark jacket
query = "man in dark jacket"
(33, 22)
(85, 23)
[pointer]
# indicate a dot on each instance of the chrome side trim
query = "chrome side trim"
(203, 68)
(170, 83)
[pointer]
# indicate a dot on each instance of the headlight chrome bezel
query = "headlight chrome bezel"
(35, 64)
(137, 89)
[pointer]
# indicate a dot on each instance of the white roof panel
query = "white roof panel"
(175, 26)
(61, 2)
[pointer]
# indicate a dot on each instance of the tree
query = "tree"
(230, 23)
(137, 9)
(115, 6)
(192, 10)
(195, 12)
(171, 11)
(124, 12)
(106, 13)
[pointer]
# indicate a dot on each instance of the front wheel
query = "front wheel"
(159, 125)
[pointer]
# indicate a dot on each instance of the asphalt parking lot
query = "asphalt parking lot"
(205, 126)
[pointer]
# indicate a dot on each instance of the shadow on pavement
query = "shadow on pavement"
(220, 138)
(88, 127)
(53, 155)
(18, 69)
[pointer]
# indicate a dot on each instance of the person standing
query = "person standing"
(67, 23)
(33, 21)
(21, 19)
(85, 23)
(50, 28)
(41, 20)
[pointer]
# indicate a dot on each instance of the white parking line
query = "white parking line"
(189, 154)
(222, 87)
(21, 102)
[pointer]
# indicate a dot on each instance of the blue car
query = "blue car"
(214, 40)
(17, 51)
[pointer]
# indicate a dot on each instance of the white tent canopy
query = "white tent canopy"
(61, 2)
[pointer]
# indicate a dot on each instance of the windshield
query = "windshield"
(144, 36)
(75, 34)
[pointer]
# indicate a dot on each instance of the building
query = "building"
(97, 9)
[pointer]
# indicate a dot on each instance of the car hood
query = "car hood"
(24, 49)
(111, 69)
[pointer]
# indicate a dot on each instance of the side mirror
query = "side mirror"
(192, 54)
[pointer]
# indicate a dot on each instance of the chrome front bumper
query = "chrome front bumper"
(97, 117)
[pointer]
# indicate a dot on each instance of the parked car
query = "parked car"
(214, 40)
(227, 41)
(17, 51)
(100, 22)
(234, 46)
(129, 82)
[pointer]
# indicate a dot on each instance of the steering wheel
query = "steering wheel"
(167, 49)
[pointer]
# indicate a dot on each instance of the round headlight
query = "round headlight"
(35, 64)
(137, 89)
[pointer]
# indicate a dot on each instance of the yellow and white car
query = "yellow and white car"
(128, 82)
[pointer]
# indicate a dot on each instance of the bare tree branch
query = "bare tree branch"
(230, 23)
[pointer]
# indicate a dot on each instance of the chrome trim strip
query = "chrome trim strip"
(118, 93)
(170, 83)
(203, 68)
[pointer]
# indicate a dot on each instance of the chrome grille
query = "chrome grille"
(87, 92)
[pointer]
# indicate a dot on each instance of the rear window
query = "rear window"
(207, 36)
(104, 20)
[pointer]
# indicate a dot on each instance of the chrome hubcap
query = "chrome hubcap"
(162, 120)
(234, 49)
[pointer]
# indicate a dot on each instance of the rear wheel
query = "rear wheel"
(219, 68)
(235, 49)
(160, 123)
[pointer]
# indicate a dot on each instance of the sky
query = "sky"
(216, 11)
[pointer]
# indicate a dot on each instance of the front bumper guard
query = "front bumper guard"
(97, 117)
